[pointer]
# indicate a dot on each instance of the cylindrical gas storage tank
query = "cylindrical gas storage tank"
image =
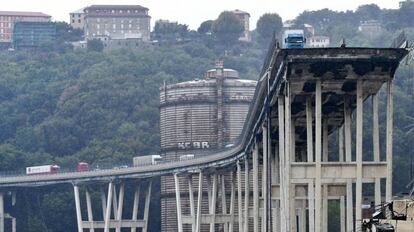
(200, 115)
(196, 118)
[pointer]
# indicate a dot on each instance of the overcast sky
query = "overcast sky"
(194, 12)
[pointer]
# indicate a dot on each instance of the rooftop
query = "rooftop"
(137, 7)
(80, 11)
(237, 11)
(23, 13)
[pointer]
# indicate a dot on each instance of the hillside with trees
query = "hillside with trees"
(60, 106)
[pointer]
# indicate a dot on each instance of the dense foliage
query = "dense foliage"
(61, 106)
(227, 28)
(269, 26)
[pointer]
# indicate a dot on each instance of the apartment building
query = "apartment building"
(117, 22)
(77, 19)
(8, 19)
(244, 17)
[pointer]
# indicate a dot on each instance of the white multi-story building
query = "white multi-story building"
(318, 42)
(117, 22)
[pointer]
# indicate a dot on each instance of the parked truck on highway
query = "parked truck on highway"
(294, 39)
(42, 170)
(146, 160)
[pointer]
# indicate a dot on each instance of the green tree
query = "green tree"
(95, 45)
(227, 28)
(368, 12)
(165, 30)
(269, 25)
(205, 27)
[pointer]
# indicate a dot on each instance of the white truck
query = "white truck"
(42, 170)
(146, 160)
(186, 157)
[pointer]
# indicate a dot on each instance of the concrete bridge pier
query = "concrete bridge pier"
(113, 204)
(2, 212)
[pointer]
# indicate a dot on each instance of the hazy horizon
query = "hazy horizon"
(194, 13)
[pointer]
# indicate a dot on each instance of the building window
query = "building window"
(73, 21)
(79, 21)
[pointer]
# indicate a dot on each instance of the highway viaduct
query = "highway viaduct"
(282, 174)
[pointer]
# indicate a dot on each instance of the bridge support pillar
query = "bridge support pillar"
(199, 201)
(135, 206)
(376, 146)
(223, 201)
(318, 153)
(359, 134)
(246, 195)
(89, 208)
(265, 184)
(349, 206)
(120, 206)
(108, 206)
(213, 202)
(147, 206)
(192, 207)
(239, 197)
(388, 183)
(1, 212)
(311, 206)
(178, 199)
(282, 178)
(256, 188)
(78, 208)
(232, 202)
(342, 213)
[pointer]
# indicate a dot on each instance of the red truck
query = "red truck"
(82, 167)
